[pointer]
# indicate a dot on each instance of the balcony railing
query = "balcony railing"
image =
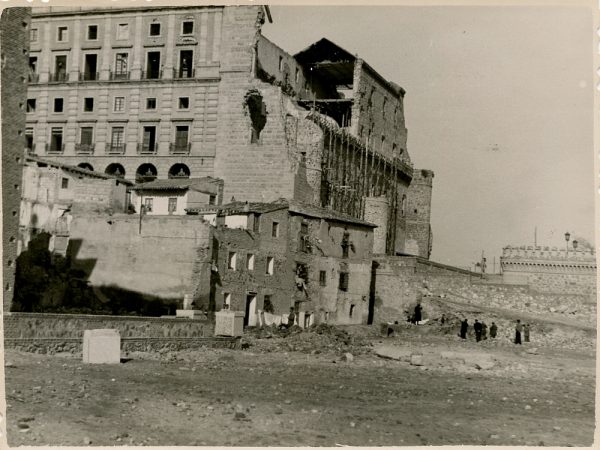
(119, 75)
(147, 149)
(33, 78)
(84, 149)
(116, 149)
(180, 149)
(55, 149)
(152, 75)
(88, 76)
(179, 74)
(60, 77)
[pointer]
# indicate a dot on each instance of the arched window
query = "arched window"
(146, 172)
(86, 166)
(115, 169)
(179, 171)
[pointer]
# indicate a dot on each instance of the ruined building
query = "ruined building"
(198, 91)
(14, 46)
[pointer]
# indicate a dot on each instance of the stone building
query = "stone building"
(51, 192)
(550, 270)
(199, 91)
(14, 46)
(270, 257)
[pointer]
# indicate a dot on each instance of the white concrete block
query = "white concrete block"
(189, 313)
(101, 346)
(229, 323)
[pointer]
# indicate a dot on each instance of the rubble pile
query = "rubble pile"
(321, 338)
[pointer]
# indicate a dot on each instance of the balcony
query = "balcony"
(84, 149)
(61, 77)
(88, 76)
(152, 75)
(180, 74)
(119, 75)
(52, 149)
(33, 78)
(180, 149)
(147, 149)
(116, 149)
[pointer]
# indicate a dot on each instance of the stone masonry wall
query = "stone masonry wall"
(14, 46)
(418, 214)
(169, 258)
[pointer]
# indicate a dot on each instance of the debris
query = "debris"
(349, 357)
(527, 407)
(416, 360)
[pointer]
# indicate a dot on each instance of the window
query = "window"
(155, 29)
(33, 35)
(86, 135)
(56, 140)
(58, 105)
(250, 261)
(344, 278)
(148, 204)
(275, 229)
(62, 34)
(256, 224)
(302, 272)
(231, 260)
(297, 78)
(187, 27)
(351, 310)
(303, 244)
(60, 68)
(226, 300)
(92, 32)
(119, 104)
(281, 63)
(153, 69)
(345, 244)
(116, 137)
(212, 199)
(394, 148)
(88, 104)
(268, 304)
(90, 67)
(186, 64)
(172, 205)
(323, 278)
(151, 103)
(29, 138)
(270, 265)
(121, 63)
(122, 31)
(64, 183)
(31, 105)
(184, 102)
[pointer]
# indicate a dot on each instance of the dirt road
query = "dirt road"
(251, 398)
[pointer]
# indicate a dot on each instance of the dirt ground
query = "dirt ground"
(276, 393)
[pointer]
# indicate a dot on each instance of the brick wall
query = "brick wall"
(14, 46)
(169, 258)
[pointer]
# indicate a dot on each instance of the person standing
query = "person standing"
(464, 326)
(417, 316)
(526, 332)
(483, 330)
(518, 330)
(493, 330)
(291, 318)
(477, 327)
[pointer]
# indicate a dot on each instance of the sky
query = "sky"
(499, 104)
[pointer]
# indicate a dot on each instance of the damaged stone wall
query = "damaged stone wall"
(170, 258)
(418, 214)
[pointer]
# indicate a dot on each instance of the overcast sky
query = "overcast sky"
(499, 104)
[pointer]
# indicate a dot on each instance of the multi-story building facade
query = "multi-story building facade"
(198, 91)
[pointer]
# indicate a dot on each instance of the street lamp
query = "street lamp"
(567, 237)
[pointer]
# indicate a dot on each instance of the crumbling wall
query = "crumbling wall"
(169, 258)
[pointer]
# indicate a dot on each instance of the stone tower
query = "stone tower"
(418, 214)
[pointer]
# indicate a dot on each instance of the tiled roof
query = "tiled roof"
(76, 170)
(208, 185)
(324, 213)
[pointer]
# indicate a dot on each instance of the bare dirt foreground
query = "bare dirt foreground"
(300, 390)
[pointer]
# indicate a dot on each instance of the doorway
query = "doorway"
(250, 316)
(90, 67)
(153, 65)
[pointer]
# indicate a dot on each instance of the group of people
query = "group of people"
(481, 331)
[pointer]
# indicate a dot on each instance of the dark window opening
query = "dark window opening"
(186, 64)
(212, 199)
(345, 244)
(29, 139)
(33, 68)
(302, 272)
(149, 140)
(150, 103)
(258, 114)
(153, 65)
(64, 183)
(56, 140)
(351, 310)
(31, 103)
(90, 67)
(323, 278)
(184, 102)
(145, 172)
(88, 104)
(275, 230)
(62, 34)
(268, 305)
(60, 68)
(155, 29)
(179, 170)
(58, 105)
(303, 240)
(256, 224)
(344, 279)
(121, 65)
(92, 32)
(187, 27)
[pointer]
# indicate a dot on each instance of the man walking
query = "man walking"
(493, 330)
(464, 326)
(518, 330)
(477, 327)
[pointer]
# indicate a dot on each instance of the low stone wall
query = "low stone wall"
(50, 333)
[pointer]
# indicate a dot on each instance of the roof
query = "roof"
(76, 170)
(294, 207)
(208, 185)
